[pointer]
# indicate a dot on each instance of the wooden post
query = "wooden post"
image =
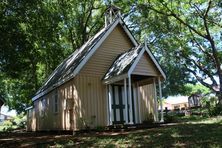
(161, 103)
(110, 105)
(138, 94)
(126, 102)
(130, 101)
(155, 102)
(135, 100)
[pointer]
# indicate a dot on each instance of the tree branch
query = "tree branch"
(200, 79)
(172, 13)
(210, 39)
(201, 48)
(201, 68)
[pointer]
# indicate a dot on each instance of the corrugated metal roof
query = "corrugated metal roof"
(123, 63)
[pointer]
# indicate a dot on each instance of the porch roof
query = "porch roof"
(126, 62)
(123, 63)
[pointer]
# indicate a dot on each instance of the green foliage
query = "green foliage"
(16, 122)
(198, 133)
(20, 120)
(186, 38)
(196, 89)
(212, 106)
(172, 117)
(7, 125)
(35, 37)
(215, 111)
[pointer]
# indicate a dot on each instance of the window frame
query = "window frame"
(55, 102)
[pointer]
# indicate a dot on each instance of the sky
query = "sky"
(5, 111)
(177, 99)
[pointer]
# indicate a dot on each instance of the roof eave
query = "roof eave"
(115, 79)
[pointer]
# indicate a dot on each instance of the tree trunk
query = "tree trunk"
(220, 98)
(219, 95)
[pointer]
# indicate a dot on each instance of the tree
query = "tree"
(198, 88)
(35, 37)
(190, 31)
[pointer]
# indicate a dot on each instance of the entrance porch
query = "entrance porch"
(132, 87)
(127, 97)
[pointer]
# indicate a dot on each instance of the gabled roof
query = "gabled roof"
(73, 64)
(123, 63)
(126, 62)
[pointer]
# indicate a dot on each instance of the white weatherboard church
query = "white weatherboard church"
(109, 80)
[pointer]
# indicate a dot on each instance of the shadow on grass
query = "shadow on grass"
(192, 118)
(183, 135)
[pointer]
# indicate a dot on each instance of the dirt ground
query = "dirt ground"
(29, 139)
(21, 138)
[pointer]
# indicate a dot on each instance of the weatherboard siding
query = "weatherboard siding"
(89, 106)
(47, 120)
(92, 94)
(86, 94)
(116, 43)
(146, 67)
(146, 93)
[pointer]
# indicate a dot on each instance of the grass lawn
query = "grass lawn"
(197, 133)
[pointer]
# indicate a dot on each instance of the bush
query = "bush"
(16, 122)
(215, 111)
(212, 106)
(8, 125)
(20, 121)
(170, 118)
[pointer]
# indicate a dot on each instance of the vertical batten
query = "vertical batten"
(161, 103)
(126, 102)
(130, 101)
(155, 102)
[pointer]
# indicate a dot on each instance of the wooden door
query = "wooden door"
(118, 104)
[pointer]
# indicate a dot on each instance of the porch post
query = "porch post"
(161, 103)
(155, 102)
(125, 97)
(138, 95)
(110, 104)
(135, 100)
(130, 101)
(108, 107)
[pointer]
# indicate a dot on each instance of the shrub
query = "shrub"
(212, 106)
(215, 111)
(8, 125)
(168, 118)
(18, 121)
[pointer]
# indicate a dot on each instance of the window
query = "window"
(56, 102)
(42, 106)
(30, 113)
